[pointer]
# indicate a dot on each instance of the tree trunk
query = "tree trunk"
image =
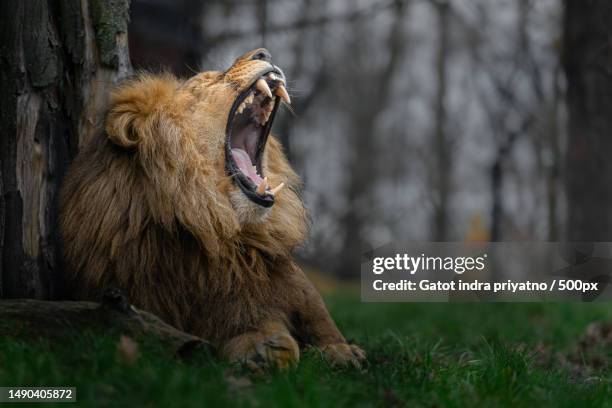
(167, 34)
(441, 140)
(58, 60)
(363, 172)
(588, 66)
(553, 172)
(497, 181)
(64, 321)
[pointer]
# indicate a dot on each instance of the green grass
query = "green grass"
(428, 355)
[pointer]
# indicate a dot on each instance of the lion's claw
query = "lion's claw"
(278, 350)
(343, 354)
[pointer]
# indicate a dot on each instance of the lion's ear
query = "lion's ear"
(135, 105)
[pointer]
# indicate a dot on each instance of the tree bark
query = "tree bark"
(58, 60)
(588, 67)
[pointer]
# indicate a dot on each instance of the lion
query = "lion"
(188, 205)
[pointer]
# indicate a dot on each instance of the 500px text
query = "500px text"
(562, 285)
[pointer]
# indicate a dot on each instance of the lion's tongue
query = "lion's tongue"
(243, 161)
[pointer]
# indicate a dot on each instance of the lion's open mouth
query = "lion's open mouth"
(248, 127)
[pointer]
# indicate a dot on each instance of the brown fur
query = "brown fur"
(145, 207)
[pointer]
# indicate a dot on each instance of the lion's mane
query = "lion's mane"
(145, 207)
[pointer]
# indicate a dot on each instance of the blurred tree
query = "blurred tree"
(375, 87)
(588, 67)
(441, 140)
(512, 114)
(284, 124)
(58, 60)
(167, 34)
(553, 179)
(262, 17)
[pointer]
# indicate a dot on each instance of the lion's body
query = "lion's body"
(146, 207)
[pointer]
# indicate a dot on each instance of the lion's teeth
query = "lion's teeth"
(275, 77)
(276, 189)
(263, 186)
(267, 111)
(282, 92)
(262, 85)
(247, 101)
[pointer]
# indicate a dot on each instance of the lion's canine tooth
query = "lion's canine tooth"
(282, 92)
(241, 107)
(263, 186)
(249, 99)
(276, 189)
(262, 85)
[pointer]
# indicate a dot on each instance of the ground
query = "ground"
(419, 355)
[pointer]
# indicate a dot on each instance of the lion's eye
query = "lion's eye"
(262, 55)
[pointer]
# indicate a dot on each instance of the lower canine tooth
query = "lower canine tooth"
(276, 189)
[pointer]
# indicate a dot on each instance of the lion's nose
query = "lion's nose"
(261, 54)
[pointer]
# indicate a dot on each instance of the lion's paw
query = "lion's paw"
(343, 354)
(278, 350)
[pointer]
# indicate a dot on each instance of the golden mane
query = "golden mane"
(166, 185)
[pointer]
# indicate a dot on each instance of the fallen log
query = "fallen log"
(59, 319)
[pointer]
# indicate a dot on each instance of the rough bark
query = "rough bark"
(588, 67)
(58, 61)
